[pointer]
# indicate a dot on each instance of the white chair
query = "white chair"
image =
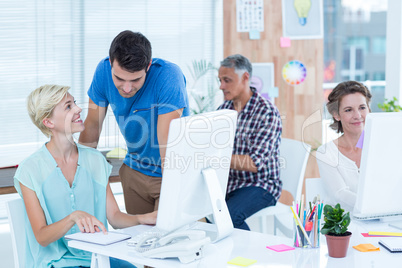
(293, 161)
(16, 219)
(314, 187)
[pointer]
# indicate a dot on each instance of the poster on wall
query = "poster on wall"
(250, 15)
(302, 19)
(263, 80)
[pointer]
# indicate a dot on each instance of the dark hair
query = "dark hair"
(131, 50)
(335, 97)
(240, 64)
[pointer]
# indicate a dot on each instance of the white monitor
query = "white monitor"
(196, 171)
(380, 183)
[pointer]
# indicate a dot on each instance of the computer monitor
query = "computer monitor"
(380, 183)
(196, 171)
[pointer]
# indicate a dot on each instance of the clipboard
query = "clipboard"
(99, 238)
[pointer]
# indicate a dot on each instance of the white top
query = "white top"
(339, 174)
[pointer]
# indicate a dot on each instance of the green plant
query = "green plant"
(336, 221)
(390, 105)
(204, 76)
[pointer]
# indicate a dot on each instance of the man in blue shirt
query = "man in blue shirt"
(145, 94)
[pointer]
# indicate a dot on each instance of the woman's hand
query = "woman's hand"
(149, 218)
(86, 222)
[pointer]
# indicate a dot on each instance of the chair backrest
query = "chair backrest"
(15, 211)
(315, 186)
(293, 161)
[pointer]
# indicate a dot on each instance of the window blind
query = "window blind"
(62, 41)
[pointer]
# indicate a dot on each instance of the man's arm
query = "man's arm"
(93, 125)
(163, 130)
(243, 163)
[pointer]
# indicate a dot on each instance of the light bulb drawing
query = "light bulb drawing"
(302, 8)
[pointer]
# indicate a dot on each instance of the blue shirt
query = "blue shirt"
(164, 91)
(40, 173)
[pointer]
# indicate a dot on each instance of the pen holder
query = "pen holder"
(308, 229)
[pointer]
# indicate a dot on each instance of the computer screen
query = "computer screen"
(380, 183)
(196, 171)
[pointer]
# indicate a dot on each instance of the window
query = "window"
(62, 41)
(354, 47)
(379, 45)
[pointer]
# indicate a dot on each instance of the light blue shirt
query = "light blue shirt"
(164, 91)
(40, 173)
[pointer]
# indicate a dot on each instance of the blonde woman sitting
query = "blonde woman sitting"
(65, 186)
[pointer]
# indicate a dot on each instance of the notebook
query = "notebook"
(392, 245)
(99, 238)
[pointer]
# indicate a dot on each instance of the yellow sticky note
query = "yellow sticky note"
(366, 248)
(118, 153)
(240, 261)
(385, 233)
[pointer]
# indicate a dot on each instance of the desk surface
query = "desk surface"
(252, 245)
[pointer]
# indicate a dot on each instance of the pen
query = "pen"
(320, 204)
(309, 227)
(315, 229)
(312, 213)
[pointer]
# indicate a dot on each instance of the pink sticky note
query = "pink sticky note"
(280, 248)
(360, 141)
(285, 42)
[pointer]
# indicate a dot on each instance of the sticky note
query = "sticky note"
(273, 92)
(254, 34)
(285, 42)
(240, 261)
(118, 153)
(385, 233)
(367, 235)
(280, 248)
(366, 248)
(360, 141)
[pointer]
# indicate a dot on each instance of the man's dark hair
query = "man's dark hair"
(131, 50)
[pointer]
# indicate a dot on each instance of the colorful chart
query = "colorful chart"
(294, 72)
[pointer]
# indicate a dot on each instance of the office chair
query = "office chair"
(15, 211)
(293, 161)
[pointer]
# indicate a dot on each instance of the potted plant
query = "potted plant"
(390, 105)
(336, 231)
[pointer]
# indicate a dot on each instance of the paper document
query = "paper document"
(99, 238)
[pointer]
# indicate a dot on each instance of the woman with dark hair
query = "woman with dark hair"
(339, 160)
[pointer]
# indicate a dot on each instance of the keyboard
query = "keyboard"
(147, 238)
(358, 216)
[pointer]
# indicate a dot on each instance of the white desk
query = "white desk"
(252, 245)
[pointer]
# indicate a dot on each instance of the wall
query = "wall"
(301, 105)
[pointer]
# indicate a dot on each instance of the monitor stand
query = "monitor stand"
(222, 219)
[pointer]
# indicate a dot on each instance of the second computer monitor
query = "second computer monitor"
(380, 181)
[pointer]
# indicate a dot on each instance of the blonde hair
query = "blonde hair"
(41, 102)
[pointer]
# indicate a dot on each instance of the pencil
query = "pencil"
(301, 226)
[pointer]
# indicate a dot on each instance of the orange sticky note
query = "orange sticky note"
(366, 248)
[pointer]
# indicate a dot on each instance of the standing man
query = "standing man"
(145, 94)
(254, 170)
